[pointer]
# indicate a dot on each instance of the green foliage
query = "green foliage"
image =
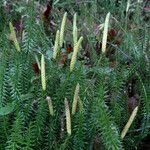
(104, 97)
(7, 109)
(102, 119)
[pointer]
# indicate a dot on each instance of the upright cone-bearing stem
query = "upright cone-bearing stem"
(75, 99)
(75, 36)
(80, 105)
(68, 117)
(43, 78)
(37, 61)
(105, 32)
(74, 55)
(13, 34)
(50, 105)
(61, 39)
(128, 6)
(56, 46)
(127, 126)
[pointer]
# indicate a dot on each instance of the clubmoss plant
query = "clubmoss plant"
(50, 105)
(105, 32)
(68, 117)
(62, 29)
(127, 126)
(46, 108)
(13, 37)
(75, 99)
(75, 32)
(75, 52)
(43, 77)
(56, 46)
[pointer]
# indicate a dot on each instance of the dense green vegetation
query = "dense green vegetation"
(83, 106)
